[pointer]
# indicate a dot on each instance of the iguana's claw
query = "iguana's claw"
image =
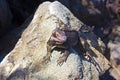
(63, 58)
(60, 61)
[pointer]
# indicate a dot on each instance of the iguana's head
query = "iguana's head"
(58, 36)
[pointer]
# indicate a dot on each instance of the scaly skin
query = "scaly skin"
(63, 58)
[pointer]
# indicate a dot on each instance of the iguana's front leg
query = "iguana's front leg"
(66, 53)
(63, 58)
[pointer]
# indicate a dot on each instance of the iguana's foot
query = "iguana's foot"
(63, 58)
(47, 57)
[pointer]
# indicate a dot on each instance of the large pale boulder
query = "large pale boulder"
(25, 61)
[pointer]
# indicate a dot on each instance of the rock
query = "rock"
(91, 12)
(114, 46)
(7, 42)
(25, 61)
(5, 17)
(113, 7)
(115, 57)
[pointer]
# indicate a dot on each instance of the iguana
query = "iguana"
(66, 39)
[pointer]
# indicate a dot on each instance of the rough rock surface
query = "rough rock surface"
(25, 61)
(114, 46)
